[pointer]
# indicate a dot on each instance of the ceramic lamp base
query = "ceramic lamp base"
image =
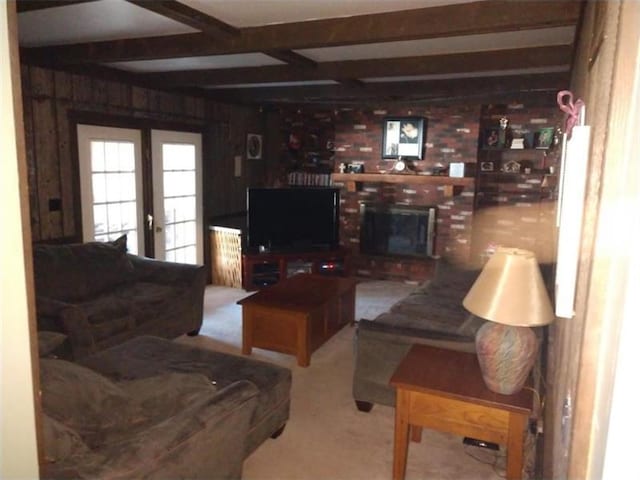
(506, 355)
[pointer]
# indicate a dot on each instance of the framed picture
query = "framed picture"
(403, 137)
(491, 138)
(254, 146)
(543, 138)
(487, 166)
(511, 167)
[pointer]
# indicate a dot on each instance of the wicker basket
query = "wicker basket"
(226, 257)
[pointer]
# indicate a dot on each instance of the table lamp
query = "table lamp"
(510, 293)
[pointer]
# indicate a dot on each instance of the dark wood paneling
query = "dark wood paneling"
(66, 170)
(32, 173)
(54, 102)
(45, 151)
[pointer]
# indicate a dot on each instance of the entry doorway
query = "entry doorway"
(112, 176)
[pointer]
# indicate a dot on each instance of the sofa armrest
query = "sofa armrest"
(168, 273)
(70, 319)
(75, 322)
(192, 277)
(49, 306)
(48, 313)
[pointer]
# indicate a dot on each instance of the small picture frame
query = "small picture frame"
(491, 138)
(511, 167)
(403, 137)
(254, 146)
(487, 166)
(543, 138)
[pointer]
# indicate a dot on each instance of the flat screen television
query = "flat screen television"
(293, 219)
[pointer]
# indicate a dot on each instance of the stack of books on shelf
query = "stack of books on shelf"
(309, 179)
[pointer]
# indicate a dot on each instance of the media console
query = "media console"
(263, 269)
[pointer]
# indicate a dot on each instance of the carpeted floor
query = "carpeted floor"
(326, 437)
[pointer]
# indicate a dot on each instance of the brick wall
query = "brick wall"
(451, 136)
(452, 133)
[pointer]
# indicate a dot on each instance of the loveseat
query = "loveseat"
(432, 314)
(99, 295)
(154, 408)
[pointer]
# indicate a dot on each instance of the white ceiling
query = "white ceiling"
(438, 46)
(91, 22)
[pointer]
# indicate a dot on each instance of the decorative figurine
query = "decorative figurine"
(503, 137)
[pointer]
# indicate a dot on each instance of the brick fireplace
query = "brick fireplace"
(452, 227)
(452, 136)
(347, 135)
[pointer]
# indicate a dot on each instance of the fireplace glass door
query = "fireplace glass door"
(397, 230)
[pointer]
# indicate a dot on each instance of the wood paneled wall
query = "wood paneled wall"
(52, 98)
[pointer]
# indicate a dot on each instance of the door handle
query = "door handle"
(149, 222)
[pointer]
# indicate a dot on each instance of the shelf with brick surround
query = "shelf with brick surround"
(353, 180)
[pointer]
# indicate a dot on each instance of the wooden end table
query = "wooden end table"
(297, 315)
(444, 390)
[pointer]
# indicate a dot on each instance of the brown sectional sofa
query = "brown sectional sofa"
(99, 295)
(154, 408)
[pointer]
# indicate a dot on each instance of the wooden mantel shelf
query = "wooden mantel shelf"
(353, 180)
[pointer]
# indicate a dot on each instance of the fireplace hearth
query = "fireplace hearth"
(397, 230)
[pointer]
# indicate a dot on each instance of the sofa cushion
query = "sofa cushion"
(146, 300)
(146, 356)
(166, 394)
(84, 400)
(108, 315)
(81, 270)
(440, 327)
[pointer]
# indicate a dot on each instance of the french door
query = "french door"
(111, 184)
(177, 196)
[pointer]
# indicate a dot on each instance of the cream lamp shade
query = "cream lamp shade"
(510, 290)
(510, 293)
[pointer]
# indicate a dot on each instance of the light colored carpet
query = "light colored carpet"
(326, 436)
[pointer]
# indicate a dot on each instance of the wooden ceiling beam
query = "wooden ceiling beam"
(212, 26)
(520, 58)
(487, 89)
(291, 58)
(31, 5)
(490, 16)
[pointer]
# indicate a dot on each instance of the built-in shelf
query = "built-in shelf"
(353, 180)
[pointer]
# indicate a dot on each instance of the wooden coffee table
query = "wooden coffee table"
(444, 390)
(297, 315)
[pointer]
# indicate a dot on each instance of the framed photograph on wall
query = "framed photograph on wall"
(403, 137)
(543, 138)
(487, 166)
(254, 146)
(490, 138)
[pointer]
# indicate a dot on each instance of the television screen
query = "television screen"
(292, 219)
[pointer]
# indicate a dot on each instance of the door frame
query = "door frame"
(85, 173)
(173, 136)
(145, 125)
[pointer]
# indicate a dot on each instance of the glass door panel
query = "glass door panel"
(177, 162)
(111, 185)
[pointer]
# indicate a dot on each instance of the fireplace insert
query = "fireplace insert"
(397, 230)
